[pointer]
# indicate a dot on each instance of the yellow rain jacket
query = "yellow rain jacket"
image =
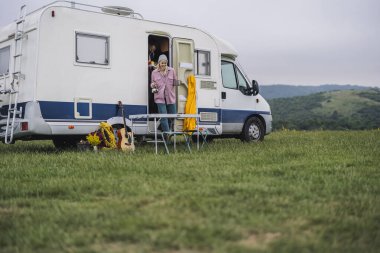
(189, 124)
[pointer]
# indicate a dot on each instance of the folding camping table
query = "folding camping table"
(157, 117)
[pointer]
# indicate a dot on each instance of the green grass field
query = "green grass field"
(294, 192)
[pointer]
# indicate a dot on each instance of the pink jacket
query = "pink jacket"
(166, 90)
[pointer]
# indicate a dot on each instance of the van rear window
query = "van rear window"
(4, 60)
(92, 49)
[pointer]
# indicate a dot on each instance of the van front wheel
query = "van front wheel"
(253, 130)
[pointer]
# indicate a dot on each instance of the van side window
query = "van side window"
(202, 63)
(92, 49)
(4, 60)
(228, 75)
(233, 78)
(242, 82)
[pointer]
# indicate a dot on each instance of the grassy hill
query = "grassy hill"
(284, 91)
(336, 110)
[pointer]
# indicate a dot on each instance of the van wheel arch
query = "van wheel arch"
(253, 129)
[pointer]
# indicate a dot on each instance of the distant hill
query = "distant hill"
(335, 110)
(284, 91)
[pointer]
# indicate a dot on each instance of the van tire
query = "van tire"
(253, 130)
(65, 142)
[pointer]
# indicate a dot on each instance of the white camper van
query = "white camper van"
(65, 66)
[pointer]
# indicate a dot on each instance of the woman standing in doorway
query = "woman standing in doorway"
(163, 79)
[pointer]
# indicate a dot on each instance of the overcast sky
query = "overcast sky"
(301, 42)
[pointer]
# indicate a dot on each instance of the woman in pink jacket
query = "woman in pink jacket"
(163, 79)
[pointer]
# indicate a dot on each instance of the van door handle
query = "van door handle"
(224, 95)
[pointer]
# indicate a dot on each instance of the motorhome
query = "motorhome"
(65, 66)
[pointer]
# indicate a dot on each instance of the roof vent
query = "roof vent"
(118, 10)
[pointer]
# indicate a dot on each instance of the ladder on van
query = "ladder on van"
(16, 76)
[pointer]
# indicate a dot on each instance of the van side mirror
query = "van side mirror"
(255, 88)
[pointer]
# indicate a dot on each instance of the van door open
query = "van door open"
(161, 45)
(183, 63)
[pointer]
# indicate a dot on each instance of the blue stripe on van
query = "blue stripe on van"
(239, 116)
(100, 112)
